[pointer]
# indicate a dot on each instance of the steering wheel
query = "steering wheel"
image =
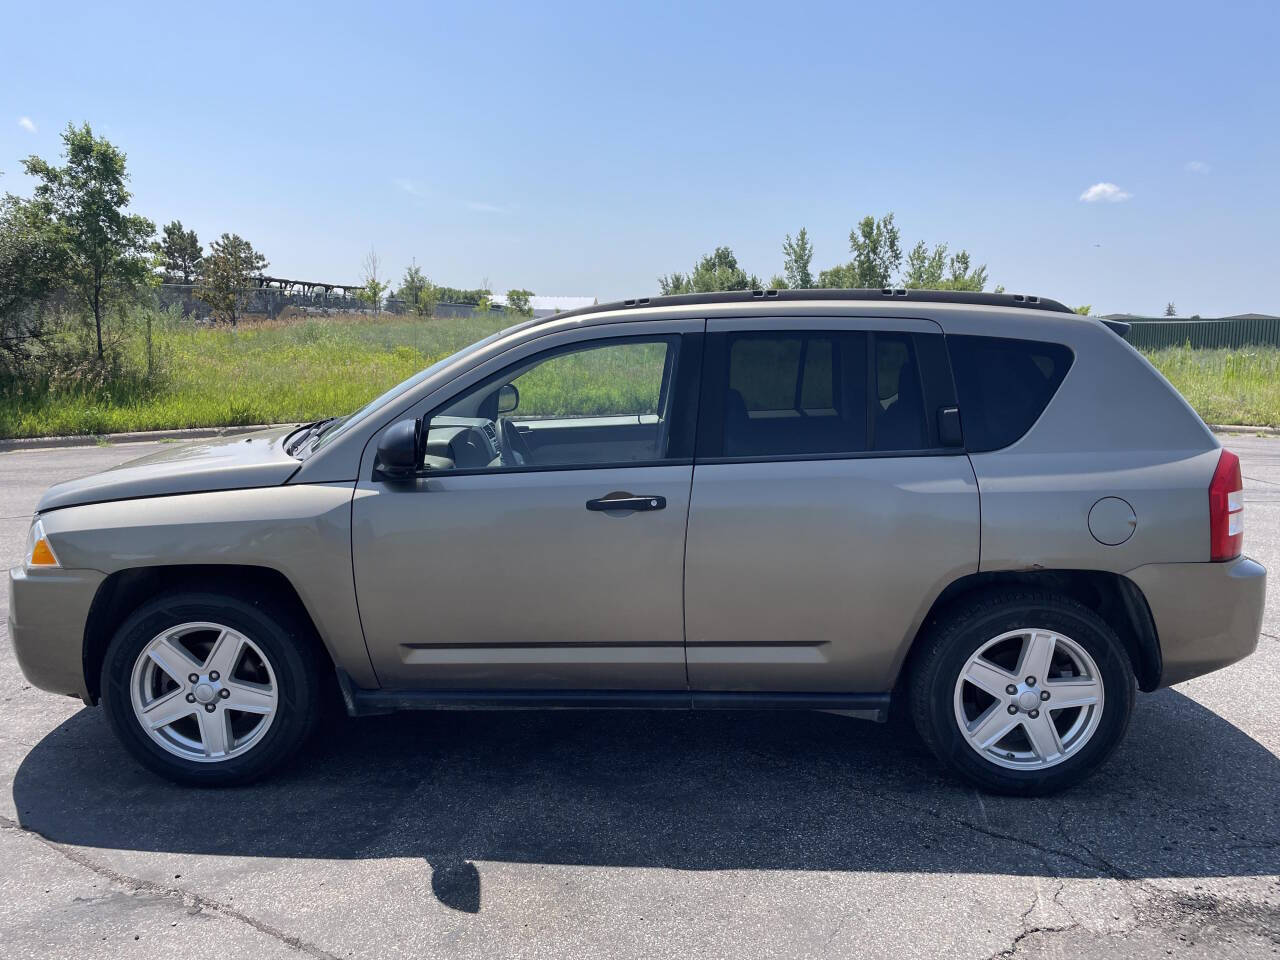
(513, 448)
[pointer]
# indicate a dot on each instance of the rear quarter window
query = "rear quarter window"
(1003, 386)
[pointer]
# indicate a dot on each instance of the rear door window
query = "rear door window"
(795, 394)
(820, 393)
(1003, 386)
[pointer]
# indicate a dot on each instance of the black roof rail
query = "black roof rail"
(825, 293)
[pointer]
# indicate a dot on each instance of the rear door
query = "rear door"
(826, 515)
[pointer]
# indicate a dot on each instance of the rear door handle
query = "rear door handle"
(625, 501)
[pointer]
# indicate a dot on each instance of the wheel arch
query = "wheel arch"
(1116, 598)
(123, 591)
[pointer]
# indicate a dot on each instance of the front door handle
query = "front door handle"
(625, 501)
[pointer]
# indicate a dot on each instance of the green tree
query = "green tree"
(778, 282)
(877, 253)
(713, 273)
(925, 268)
(518, 301)
(797, 255)
(375, 288)
(935, 270)
(106, 250)
(455, 295)
(411, 285)
(1170, 310)
(227, 272)
(31, 263)
(483, 303)
(1084, 309)
(180, 253)
(428, 299)
(417, 290)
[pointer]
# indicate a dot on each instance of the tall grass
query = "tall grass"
(264, 373)
(1226, 386)
(306, 369)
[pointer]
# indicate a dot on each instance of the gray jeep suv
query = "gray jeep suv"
(984, 508)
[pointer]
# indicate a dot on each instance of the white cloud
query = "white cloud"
(1197, 166)
(411, 187)
(1104, 191)
(486, 207)
(27, 124)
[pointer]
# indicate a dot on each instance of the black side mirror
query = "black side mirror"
(399, 450)
(949, 432)
(508, 398)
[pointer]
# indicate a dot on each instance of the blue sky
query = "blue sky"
(587, 148)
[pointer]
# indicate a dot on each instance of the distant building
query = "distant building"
(1136, 318)
(546, 306)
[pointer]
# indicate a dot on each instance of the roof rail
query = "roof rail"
(898, 294)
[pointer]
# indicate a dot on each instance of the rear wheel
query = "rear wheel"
(1022, 692)
(210, 689)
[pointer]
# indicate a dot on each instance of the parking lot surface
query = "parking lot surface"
(633, 834)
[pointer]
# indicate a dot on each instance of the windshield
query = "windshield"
(341, 425)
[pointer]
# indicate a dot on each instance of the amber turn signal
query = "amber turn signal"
(39, 553)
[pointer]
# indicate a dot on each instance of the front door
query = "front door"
(542, 548)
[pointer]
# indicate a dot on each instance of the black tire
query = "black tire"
(283, 639)
(961, 631)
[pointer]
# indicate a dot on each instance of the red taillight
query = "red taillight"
(1226, 509)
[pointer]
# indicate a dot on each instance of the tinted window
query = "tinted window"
(1003, 386)
(898, 404)
(793, 393)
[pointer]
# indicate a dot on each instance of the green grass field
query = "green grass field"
(308, 369)
(1226, 386)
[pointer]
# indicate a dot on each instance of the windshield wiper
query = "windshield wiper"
(310, 432)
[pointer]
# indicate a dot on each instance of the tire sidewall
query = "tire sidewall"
(295, 677)
(1067, 619)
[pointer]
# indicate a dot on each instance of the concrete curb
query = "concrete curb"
(203, 433)
(1241, 428)
(140, 436)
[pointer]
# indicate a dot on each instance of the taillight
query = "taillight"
(1226, 509)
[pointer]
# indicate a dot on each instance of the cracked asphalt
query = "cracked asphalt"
(644, 834)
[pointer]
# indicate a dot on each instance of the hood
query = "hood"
(219, 463)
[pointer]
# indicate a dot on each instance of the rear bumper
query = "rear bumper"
(48, 610)
(1207, 615)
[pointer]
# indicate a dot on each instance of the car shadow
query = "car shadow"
(1187, 794)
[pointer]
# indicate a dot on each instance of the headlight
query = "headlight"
(39, 552)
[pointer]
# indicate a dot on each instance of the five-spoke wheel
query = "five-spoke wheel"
(204, 691)
(212, 688)
(1021, 691)
(1029, 698)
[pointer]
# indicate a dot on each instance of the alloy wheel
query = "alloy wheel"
(1029, 699)
(204, 691)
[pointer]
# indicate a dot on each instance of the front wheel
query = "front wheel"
(1022, 692)
(210, 689)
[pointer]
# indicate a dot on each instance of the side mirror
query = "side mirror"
(398, 450)
(508, 398)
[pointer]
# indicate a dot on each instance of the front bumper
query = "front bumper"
(48, 610)
(1207, 615)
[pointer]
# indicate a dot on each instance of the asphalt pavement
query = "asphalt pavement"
(634, 834)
